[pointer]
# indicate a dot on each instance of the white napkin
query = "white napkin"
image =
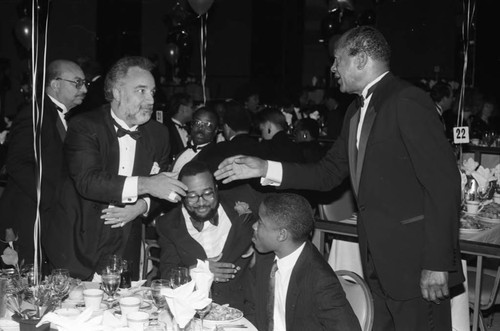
(202, 276)
(83, 322)
(184, 300)
(483, 176)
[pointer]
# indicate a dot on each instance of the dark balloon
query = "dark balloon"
(182, 39)
(366, 17)
(23, 32)
(201, 6)
(172, 53)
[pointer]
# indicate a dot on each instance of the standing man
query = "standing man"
(65, 88)
(115, 155)
(405, 179)
(181, 110)
(307, 294)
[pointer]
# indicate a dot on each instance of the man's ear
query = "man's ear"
(55, 84)
(283, 235)
(116, 94)
(361, 60)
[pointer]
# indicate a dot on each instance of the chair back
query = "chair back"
(359, 296)
(340, 207)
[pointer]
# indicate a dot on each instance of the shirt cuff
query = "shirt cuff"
(274, 174)
(129, 194)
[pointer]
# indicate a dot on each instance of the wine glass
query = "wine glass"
(158, 299)
(204, 311)
(110, 283)
(60, 282)
(179, 276)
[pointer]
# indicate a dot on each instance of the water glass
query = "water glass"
(114, 263)
(110, 283)
(158, 299)
(179, 276)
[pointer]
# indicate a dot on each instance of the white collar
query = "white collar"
(373, 82)
(58, 104)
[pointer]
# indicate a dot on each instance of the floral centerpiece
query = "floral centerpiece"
(25, 298)
(479, 183)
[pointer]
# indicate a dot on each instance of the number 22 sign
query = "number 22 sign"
(461, 135)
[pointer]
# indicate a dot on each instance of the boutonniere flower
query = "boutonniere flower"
(242, 208)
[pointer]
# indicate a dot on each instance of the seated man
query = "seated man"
(299, 290)
(209, 226)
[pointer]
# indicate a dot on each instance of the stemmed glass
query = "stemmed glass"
(114, 263)
(179, 276)
(204, 311)
(60, 282)
(110, 282)
(158, 299)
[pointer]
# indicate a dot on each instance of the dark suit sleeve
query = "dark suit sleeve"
(168, 251)
(436, 169)
(333, 311)
(324, 175)
(85, 151)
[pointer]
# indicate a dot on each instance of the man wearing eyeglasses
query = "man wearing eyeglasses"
(203, 131)
(213, 226)
(115, 156)
(64, 89)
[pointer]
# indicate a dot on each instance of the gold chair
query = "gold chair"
(490, 284)
(359, 296)
(148, 244)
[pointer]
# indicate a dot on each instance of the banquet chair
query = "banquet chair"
(341, 205)
(359, 296)
(147, 245)
(490, 284)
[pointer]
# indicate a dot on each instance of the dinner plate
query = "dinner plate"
(233, 315)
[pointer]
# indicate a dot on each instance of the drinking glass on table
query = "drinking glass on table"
(158, 299)
(60, 282)
(110, 282)
(204, 311)
(179, 276)
(114, 263)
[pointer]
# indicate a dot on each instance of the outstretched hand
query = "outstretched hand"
(434, 285)
(223, 271)
(240, 167)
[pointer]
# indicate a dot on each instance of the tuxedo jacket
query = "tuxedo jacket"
(176, 144)
(92, 152)
(18, 203)
(281, 148)
(315, 299)
(178, 248)
(406, 183)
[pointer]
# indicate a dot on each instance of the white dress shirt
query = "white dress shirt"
(212, 238)
(282, 280)
(62, 113)
(182, 131)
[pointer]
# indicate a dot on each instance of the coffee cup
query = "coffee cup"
(472, 206)
(92, 298)
(129, 305)
(137, 320)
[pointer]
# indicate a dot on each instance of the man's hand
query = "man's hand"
(434, 285)
(241, 167)
(164, 186)
(223, 272)
(119, 216)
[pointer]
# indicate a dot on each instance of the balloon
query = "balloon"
(201, 6)
(183, 40)
(172, 53)
(366, 17)
(23, 32)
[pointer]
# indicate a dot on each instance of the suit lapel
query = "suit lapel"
(179, 231)
(352, 149)
(363, 139)
(113, 159)
(293, 287)
(143, 161)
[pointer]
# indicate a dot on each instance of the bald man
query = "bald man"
(65, 88)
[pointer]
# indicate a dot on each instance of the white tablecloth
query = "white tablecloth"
(344, 255)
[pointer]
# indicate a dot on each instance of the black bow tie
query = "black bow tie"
(121, 132)
(193, 146)
(360, 100)
(198, 225)
(180, 126)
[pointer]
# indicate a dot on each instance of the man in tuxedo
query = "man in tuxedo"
(404, 177)
(203, 131)
(181, 110)
(65, 88)
(209, 225)
(115, 157)
(442, 95)
(296, 289)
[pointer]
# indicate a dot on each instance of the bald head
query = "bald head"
(64, 83)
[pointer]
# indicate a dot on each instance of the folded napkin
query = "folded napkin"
(83, 322)
(483, 176)
(202, 276)
(184, 300)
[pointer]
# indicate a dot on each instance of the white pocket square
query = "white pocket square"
(155, 169)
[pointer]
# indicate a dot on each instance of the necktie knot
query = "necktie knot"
(198, 225)
(274, 269)
(360, 100)
(192, 146)
(120, 132)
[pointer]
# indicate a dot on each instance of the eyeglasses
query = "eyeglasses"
(207, 195)
(203, 125)
(78, 82)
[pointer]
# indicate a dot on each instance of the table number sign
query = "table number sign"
(461, 135)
